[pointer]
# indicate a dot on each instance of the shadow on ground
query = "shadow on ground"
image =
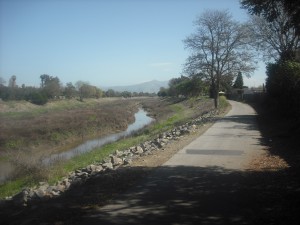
(180, 195)
(171, 195)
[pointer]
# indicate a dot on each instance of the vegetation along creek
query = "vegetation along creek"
(141, 119)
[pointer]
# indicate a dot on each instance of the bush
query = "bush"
(283, 86)
(26, 165)
(38, 98)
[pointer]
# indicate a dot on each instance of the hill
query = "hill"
(146, 87)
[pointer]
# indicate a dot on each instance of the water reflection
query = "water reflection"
(141, 120)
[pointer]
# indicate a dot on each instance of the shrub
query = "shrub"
(283, 86)
(38, 98)
(25, 164)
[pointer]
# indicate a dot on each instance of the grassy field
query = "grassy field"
(167, 112)
(59, 124)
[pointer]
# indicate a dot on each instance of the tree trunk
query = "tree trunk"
(216, 99)
(215, 91)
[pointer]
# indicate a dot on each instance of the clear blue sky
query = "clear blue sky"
(104, 42)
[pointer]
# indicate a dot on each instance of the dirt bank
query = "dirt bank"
(52, 128)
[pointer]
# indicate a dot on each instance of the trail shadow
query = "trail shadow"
(192, 195)
(170, 195)
(280, 135)
(178, 195)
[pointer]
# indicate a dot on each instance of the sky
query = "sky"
(103, 42)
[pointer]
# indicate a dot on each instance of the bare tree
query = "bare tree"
(218, 49)
(276, 39)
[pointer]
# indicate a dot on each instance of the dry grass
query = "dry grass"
(61, 127)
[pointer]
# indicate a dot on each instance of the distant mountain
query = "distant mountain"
(146, 87)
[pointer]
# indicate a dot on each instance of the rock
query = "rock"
(82, 174)
(138, 150)
(165, 140)
(127, 152)
(59, 188)
(55, 193)
(107, 160)
(94, 168)
(119, 153)
(40, 193)
(116, 161)
(108, 165)
(127, 160)
(184, 130)
(31, 194)
(21, 198)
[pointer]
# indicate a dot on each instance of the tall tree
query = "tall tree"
(239, 82)
(218, 49)
(50, 85)
(276, 38)
(44, 79)
(268, 9)
(12, 81)
(70, 90)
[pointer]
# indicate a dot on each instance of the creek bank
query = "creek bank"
(44, 191)
(141, 119)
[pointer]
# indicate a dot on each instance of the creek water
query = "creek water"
(141, 120)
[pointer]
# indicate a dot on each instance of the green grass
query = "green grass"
(12, 187)
(223, 103)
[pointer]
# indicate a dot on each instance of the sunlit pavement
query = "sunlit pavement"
(204, 183)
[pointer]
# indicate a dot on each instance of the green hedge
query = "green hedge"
(283, 86)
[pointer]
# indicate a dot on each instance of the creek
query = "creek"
(141, 120)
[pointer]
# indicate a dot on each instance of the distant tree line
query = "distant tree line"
(185, 86)
(51, 88)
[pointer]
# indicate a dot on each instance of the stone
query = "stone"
(127, 161)
(55, 193)
(59, 188)
(21, 198)
(94, 168)
(108, 165)
(116, 161)
(132, 149)
(107, 160)
(82, 174)
(138, 150)
(119, 153)
(40, 193)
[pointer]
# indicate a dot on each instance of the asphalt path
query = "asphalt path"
(204, 183)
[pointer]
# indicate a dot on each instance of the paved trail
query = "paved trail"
(202, 184)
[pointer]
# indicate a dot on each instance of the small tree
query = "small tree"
(239, 83)
(70, 90)
(52, 87)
